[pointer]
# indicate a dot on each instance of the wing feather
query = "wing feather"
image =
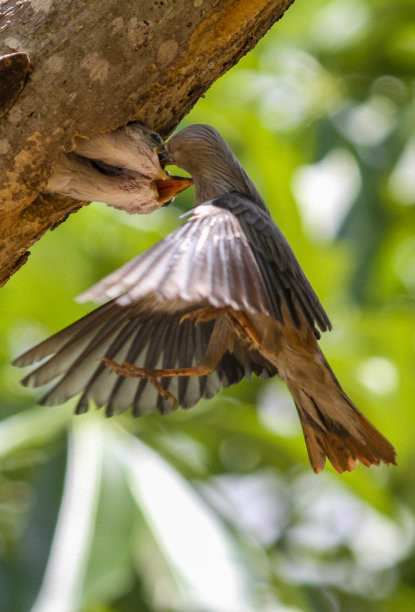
(231, 254)
(149, 338)
(196, 262)
(280, 270)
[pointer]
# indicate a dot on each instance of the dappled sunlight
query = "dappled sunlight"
(325, 192)
(368, 124)
(402, 179)
(301, 89)
(340, 24)
(332, 518)
(379, 375)
(276, 410)
(404, 263)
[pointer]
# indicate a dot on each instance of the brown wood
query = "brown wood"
(95, 66)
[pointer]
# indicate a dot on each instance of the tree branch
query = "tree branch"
(95, 66)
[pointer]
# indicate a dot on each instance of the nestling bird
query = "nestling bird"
(123, 168)
(218, 299)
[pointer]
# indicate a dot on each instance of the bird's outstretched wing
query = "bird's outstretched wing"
(230, 253)
(143, 334)
(208, 258)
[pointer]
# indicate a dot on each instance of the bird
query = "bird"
(219, 299)
(123, 168)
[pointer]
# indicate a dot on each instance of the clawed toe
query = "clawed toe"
(130, 370)
(204, 315)
(125, 369)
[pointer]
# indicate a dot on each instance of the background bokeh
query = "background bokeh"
(216, 509)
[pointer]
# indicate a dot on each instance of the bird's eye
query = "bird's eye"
(156, 138)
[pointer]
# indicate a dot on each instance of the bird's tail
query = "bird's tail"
(333, 427)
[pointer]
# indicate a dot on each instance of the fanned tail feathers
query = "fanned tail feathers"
(334, 428)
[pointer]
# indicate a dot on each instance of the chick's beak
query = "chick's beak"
(169, 187)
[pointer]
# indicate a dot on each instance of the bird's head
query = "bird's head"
(200, 150)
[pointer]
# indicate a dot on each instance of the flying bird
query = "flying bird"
(220, 298)
(123, 168)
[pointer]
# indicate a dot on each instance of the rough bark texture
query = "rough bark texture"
(95, 66)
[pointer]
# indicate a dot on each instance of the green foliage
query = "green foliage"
(217, 508)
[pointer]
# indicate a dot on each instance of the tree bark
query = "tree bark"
(95, 66)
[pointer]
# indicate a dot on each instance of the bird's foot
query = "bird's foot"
(205, 314)
(131, 371)
(127, 369)
(163, 392)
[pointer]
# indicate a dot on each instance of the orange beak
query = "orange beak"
(169, 187)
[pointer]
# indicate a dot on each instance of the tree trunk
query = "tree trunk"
(89, 67)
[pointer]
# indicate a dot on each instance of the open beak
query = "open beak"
(169, 187)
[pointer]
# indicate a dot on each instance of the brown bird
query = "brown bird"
(220, 298)
(123, 168)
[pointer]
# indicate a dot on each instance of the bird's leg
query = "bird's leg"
(208, 313)
(247, 330)
(131, 371)
(212, 356)
(219, 343)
